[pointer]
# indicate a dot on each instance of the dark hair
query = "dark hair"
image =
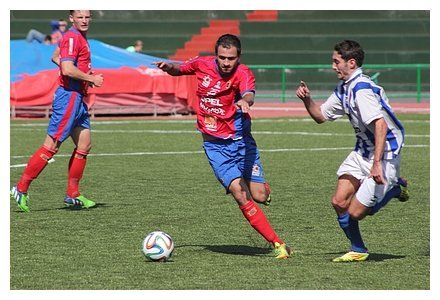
(351, 50)
(228, 41)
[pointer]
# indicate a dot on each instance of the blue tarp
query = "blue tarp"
(31, 58)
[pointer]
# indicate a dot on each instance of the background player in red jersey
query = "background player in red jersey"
(226, 90)
(69, 116)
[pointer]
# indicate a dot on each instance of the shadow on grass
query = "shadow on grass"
(98, 205)
(375, 256)
(234, 249)
(383, 256)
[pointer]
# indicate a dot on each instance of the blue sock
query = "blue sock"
(351, 230)
(392, 193)
(343, 221)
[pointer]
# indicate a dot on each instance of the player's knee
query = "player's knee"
(357, 211)
(339, 204)
(86, 148)
(234, 188)
(356, 215)
(260, 195)
(238, 192)
(237, 189)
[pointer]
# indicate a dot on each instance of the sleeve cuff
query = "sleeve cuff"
(247, 92)
(367, 122)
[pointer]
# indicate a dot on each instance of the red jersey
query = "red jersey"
(74, 47)
(217, 114)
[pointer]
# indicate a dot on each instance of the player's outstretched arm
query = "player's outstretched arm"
(303, 93)
(170, 68)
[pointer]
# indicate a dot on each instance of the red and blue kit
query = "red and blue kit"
(234, 153)
(74, 47)
(217, 114)
(69, 110)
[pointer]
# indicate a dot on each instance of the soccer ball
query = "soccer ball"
(158, 246)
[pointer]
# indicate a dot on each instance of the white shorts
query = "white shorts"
(359, 167)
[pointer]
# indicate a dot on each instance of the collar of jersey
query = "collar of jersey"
(356, 74)
(73, 29)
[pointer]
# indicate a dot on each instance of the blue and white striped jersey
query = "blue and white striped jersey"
(363, 102)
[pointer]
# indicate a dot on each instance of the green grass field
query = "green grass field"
(147, 175)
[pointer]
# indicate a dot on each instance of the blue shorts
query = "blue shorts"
(68, 112)
(231, 159)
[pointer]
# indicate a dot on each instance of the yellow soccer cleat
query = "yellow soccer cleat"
(404, 193)
(282, 251)
(268, 200)
(352, 257)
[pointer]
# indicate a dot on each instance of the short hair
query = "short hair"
(228, 41)
(350, 50)
(138, 43)
(71, 12)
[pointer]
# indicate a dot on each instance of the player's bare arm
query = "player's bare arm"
(170, 68)
(246, 102)
(303, 93)
(56, 56)
(69, 69)
(380, 132)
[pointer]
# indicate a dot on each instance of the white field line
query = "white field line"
(116, 122)
(19, 166)
(274, 108)
(200, 152)
(256, 132)
(303, 109)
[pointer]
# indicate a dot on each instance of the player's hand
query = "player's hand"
(376, 173)
(243, 105)
(91, 83)
(303, 92)
(164, 66)
(98, 80)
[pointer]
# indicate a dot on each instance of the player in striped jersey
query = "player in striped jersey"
(369, 177)
(69, 116)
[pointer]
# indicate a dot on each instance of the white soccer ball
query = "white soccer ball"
(158, 246)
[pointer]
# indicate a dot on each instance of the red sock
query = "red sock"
(35, 165)
(259, 222)
(77, 165)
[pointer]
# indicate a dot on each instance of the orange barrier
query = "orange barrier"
(262, 16)
(205, 41)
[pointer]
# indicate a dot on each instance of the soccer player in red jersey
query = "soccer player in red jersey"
(226, 90)
(69, 117)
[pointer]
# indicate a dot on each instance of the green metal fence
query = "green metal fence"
(414, 91)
